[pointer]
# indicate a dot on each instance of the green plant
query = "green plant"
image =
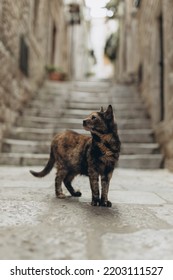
(89, 74)
(111, 46)
(52, 68)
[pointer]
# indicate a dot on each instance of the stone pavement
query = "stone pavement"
(36, 225)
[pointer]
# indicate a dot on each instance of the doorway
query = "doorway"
(161, 63)
(157, 72)
(54, 33)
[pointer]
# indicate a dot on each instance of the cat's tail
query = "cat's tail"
(47, 168)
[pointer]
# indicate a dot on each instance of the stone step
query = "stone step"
(133, 123)
(43, 112)
(77, 113)
(23, 146)
(86, 106)
(86, 96)
(42, 147)
(57, 86)
(46, 93)
(55, 124)
(97, 99)
(93, 83)
(114, 91)
(23, 159)
(82, 113)
(72, 123)
(123, 90)
(89, 100)
(125, 94)
(44, 103)
(24, 133)
(41, 134)
(126, 136)
(91, 87)
(54, 88)
(95, 107)
(139, 148)
(51, 122)
(125, 161)
(154, 161)
(136, 136)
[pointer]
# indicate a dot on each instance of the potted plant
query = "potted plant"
(54, 73)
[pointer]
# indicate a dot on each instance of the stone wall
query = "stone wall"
(32, 20)
(148, 56)
(164, 129)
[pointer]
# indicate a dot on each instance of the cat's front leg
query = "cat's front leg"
(105, 180)
(94, 184)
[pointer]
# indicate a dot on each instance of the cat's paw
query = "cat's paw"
(95, 202)
(77, 194)
(61, 196)
(104, 203)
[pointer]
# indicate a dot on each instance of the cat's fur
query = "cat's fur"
(93, 156)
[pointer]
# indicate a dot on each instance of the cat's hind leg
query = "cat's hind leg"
(60, 175)
(67, 182)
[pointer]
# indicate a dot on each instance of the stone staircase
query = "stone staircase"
(63, 106)
(139, 148)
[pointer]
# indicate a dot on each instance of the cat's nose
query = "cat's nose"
(84, 122)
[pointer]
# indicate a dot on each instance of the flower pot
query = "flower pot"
(56, 76)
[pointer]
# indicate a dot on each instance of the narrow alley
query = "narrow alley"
(62, 60)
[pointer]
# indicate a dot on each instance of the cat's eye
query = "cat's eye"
(93, 117)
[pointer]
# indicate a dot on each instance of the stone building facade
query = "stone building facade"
(77, 16)
(146, 57)
(30, 36)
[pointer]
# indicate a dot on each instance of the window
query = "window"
(137, 3)
(35, 14)
(23, 56)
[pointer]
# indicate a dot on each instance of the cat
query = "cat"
(93, 156)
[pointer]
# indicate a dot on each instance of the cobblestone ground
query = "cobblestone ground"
(36, 225)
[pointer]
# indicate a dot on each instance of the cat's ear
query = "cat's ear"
(109, 112)
(101, 109)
